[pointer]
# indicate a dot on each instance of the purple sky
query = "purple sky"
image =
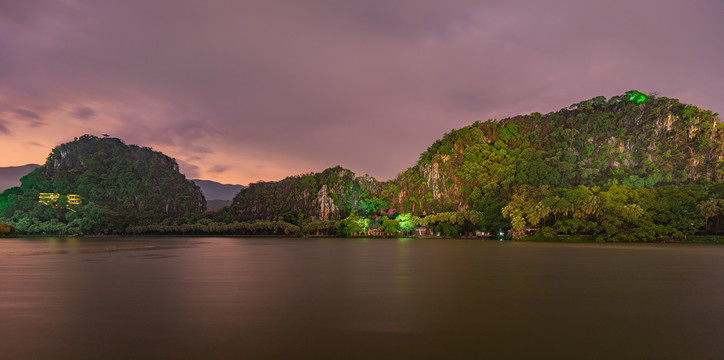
(241, 91)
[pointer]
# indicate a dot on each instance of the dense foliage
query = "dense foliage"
(669, 151)
(631, 139)
(331, 194)
(618, 213)
(119, 185)
(208, 226)
(635, 167)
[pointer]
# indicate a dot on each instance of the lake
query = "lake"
(269, 298)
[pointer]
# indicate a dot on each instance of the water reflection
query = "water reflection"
(357, 298)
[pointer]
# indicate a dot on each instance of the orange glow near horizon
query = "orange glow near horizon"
(241, 169)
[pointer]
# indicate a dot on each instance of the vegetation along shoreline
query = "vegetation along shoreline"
(633, 168)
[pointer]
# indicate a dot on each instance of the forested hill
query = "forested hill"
(331, 194)
(118, 185)
(635, 139)
(634, 167)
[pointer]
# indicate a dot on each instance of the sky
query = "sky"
(242, 91)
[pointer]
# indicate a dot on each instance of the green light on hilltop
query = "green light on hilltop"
(635, 96)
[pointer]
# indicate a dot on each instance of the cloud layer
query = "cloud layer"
(244, 91)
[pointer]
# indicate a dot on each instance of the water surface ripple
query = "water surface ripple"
(217, 298)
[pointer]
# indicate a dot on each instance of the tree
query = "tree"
(354, 224)
(447, 229)
(390, 226)
(709, 209)
(406, 222)
(371, 205)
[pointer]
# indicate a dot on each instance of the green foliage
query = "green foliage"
(632, 139)
(464, 221)
(354, 224)
(509, 132)
(120, 185)
(712, 208)
(324, 227)
(491, 208)
(390, 226)
(371, 205)
(619, 213)
(207, 226)
(447, 229)
(300, 199)
(406, 221)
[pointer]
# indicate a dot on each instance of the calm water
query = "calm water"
(205, 298)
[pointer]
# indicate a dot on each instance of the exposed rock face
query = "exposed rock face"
(434, 179)
(325, 204)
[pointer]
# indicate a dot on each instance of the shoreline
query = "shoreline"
(694, 239)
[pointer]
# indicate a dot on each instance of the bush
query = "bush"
(447, 229)
(7, 230)
(544, 234)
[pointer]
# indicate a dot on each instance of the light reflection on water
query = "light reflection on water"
(357, 298)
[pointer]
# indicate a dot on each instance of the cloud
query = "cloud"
(27, 114)
(368, 85)
(32, 118)
(83, 112)
(190, 170)
(218, 169)
(4, 129)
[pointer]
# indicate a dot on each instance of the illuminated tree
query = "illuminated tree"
(390, 226)
(406, 222)
(354, 224)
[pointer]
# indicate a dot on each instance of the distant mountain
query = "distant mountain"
(217, 191)
(10, 176)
